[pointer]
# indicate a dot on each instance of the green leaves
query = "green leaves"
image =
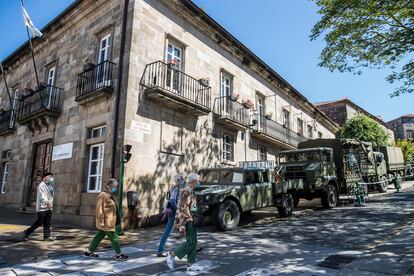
(365, 129)
(407, 149)
(368, 33)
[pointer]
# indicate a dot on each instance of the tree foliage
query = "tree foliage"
(407, 149)
(363, 128)
(368, 33)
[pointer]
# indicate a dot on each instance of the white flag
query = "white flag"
(29, 24)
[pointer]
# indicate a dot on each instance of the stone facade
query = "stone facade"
(342, 110)
(403, 127)
(168, 133)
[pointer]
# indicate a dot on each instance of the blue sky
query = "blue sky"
(276, 31)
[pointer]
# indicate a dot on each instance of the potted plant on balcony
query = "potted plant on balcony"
(269, 115)
(204, 81)
(174, 64)
(248, 104)
(234, 96)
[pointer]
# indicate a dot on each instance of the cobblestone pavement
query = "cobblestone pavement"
(375, 240)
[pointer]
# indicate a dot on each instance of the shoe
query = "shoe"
(49, 239)
(199, 249)
(121, 257)
(161, 255)
(194, 267)
(90, 254)
(170, 261)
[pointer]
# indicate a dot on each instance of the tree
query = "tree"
(368, 33)
(407, 149)
(363, 128)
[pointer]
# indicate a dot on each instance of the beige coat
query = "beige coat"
(106, 207)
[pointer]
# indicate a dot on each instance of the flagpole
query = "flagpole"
(31, 50)
(5, 83)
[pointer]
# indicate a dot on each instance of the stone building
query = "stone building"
(160, 75)
(344, 109)
(403, 127)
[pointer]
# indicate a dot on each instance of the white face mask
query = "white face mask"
(51, 180)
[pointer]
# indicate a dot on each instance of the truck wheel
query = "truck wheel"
(383, 187)
(227, 215)
(287, 206)
(329, 197)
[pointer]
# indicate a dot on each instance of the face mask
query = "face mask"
(51, 181)
(113, 190)
(197, 184)
(182, 184)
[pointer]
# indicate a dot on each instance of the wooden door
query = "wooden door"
(41, 164)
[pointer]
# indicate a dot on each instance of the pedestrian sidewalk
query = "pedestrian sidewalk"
(70, 239)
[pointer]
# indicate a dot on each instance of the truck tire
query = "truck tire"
(329, 198)
(227, 215)
(287, 206)
(383, 187)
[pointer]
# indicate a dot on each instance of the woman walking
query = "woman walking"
(170, 211)
(106, 220)
(186, 224)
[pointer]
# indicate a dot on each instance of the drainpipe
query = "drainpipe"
(119, 85)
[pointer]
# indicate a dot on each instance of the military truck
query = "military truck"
(394, 159)
(225, 193)
(320, 169)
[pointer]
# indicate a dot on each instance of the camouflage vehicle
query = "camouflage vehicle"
(319, 169)
(395, 163)
(225, 193)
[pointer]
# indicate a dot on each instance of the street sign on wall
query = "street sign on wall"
(63, 151)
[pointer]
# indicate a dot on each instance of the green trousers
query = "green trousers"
(112, 236)
(189, 247)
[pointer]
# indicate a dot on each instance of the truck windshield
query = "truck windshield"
(289, 157)
(222, 176)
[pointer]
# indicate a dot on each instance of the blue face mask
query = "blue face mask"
(182, 184)
(197, 184)
(113, 190)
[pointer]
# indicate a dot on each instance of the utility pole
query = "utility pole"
(124, 158)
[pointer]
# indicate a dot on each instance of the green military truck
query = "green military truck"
(396, 166)
(225, 193)
(320, 169)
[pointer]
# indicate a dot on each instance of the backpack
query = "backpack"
(174, 197)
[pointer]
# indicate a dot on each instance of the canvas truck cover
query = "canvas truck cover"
(393, 157)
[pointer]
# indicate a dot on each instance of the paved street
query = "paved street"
(377, 238)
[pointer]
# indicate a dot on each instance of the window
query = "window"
(174, 59)
(300, 127)
(319, 135)
(262, 153)
(228, 149)
(286, 118)
(51, 76)
(97, 132)
(260, 104)
(226, 84)
(104, 48)
(96, 156)
(5, 178)
(410, 134)
(310, 132)
(174, 54)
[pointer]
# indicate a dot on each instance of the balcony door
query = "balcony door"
(41, 164)
(102, 78)
(261, 109)
(174, 60)
(225, 92)
(50, 86)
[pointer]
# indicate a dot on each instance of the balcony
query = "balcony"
(273, 132)
(231, 114)
(39, 106)
(94, 83)
(167, 84)
(6, 122)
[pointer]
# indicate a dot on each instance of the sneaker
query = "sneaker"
(199, 249)
(121, 257)
(49, 239)
(162, 254)
(90, 254)
(170, 261)
(194, 267)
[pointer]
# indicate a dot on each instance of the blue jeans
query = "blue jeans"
(167, 232)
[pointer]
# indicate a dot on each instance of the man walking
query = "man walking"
(170, 211)
(44, 206)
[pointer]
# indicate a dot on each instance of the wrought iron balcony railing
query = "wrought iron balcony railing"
(95, 79)
(276, 131)
(168, 80)
(231, 111)
(45, 101)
